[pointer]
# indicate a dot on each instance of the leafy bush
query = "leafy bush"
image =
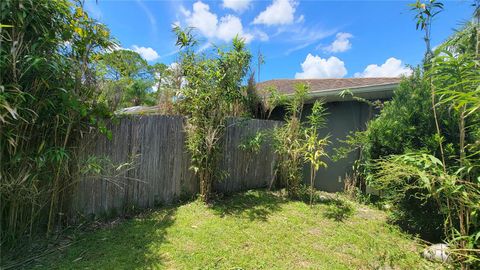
(252, 144)
(296, 142)
(48, 95)
(423, 152)
(421, 176)
(212, 93)
(288, 145)
(405, 124)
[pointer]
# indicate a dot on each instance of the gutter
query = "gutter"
(379, 91)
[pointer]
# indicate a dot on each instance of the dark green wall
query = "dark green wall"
(343, 117)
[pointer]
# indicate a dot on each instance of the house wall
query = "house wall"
(343, 117)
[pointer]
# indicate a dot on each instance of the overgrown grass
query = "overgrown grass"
(253, 230)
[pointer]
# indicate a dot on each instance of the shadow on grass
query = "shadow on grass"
(127, 245)
(418, 217)
(254, 205)
(134, 243)
(339, 210)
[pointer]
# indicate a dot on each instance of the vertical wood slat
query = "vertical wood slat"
(161, 171)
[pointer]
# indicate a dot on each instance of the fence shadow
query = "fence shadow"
(109, 246)
(253, 205)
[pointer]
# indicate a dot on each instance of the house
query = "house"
(345, 114)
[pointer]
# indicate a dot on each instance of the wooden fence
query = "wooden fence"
(156, 164)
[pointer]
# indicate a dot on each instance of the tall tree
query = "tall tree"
(127, 79)
(213, 85)
(48, 95)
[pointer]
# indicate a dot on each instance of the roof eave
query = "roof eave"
(371, 92)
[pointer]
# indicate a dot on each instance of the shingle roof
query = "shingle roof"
(286, 86)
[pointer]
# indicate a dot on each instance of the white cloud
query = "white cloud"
(259, 34)
(303, 37)
(341, 43)
(317, 67)
(229, 27)
(150, 16)
(211, 27)
(185, 11)
(202, 19)
(391, 68)
(204, 47)
(300, 19)
(280, 12)
(147, 53)
(237, 5)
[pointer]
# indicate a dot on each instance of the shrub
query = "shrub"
(212, 93)
(48, 95)
(296, 142)
(422, 152)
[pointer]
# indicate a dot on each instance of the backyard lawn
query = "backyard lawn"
(252, 230)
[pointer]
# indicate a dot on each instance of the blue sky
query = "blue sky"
(299, 39)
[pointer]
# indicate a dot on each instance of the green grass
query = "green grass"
(253, 230)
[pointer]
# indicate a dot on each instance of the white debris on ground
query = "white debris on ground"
(437, 253)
